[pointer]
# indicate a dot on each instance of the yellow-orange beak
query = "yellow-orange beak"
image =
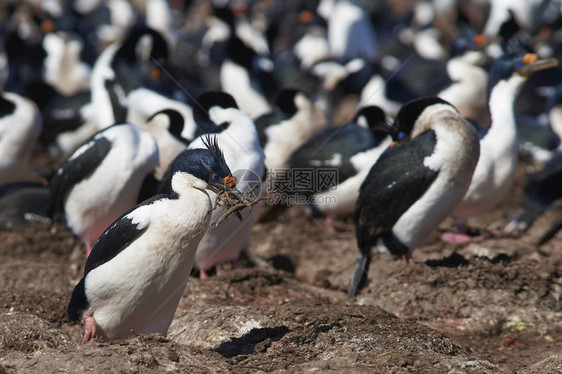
(480, 39)
(47, 26)
(155, 73)
(532, 64)
(230, 182)
(306, 17)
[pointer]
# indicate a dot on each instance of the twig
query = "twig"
(234, 203)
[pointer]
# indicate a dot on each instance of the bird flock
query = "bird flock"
(397, 114)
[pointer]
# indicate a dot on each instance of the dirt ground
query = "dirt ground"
(489, 307)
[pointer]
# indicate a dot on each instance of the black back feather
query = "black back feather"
(388, 191)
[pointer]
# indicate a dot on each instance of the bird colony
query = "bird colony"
(164, 146)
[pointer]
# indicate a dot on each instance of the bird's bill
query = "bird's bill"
(482, 41)
(230, 182)
(532, 64)
(155, 73)
(306, 17)
(226, 184)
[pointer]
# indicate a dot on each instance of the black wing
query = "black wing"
(319, 151)
(74, 169)
(264, 121)
(117, 237)
(396, 181)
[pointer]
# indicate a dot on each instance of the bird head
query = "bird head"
(409, 114)
(373, 118)
(202, 107)
(523, 64)
(464, 43)
(206, 164)
(530, 63)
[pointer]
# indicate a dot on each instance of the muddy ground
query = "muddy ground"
(488, 307)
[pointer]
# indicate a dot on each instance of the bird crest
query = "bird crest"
(210, 142)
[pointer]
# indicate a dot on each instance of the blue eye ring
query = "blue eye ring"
(400, 136)
(518, 65)
(215, 177)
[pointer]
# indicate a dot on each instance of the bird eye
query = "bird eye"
(400, 136)
(215, 177)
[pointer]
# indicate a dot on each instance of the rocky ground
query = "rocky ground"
(487, 307)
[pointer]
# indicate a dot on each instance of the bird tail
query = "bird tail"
(78, 302)
(360, 275)
(551, 231)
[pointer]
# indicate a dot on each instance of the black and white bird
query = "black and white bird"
(101, 179)
(239, 140)
(349, 152)
(20, 126)
(467, 91)
(351, 32)
(499, 144)
(414, 186)
(137, 271)
(64, 70)
(246, 73)
(122, 67)
(294, 113)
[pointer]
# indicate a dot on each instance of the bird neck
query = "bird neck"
(502, 135)
(184, 184)
(500, 104)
